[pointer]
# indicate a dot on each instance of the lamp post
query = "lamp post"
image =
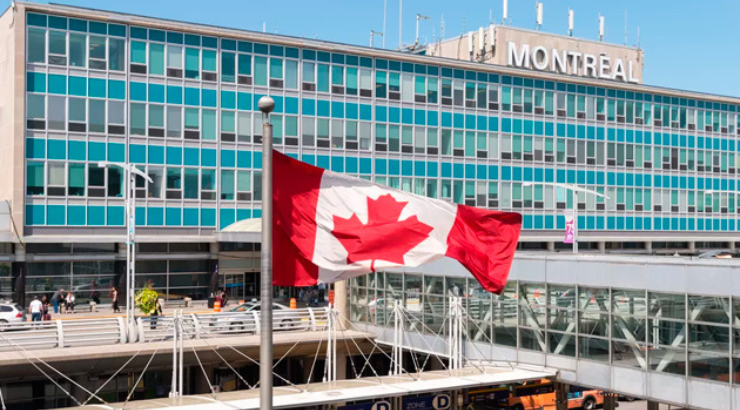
(575, 189)
(129, 188)
(266, 105)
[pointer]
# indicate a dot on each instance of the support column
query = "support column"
(19, 276)
(200, 385)
(551, 246)
(610, 401)
(561, 396)
(341, 304)
(649, 247)
(731, 245)
(215, 282)
(653, 405)
(602, 247)
(119, 267)
(341, 366)
(692, 246)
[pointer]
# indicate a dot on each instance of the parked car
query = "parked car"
(11, 313)
(238, 323)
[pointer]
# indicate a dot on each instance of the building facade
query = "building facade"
(178, 100)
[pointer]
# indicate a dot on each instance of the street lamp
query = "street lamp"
(266, 105)
(575, 189)
(129, 182)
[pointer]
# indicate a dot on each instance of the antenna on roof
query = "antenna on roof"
(418, 18)
(385, 12)
(625, 27)
(571, 18)
(442, 29)
(601, 27)
(374, 33)
(506, 12)
(538, 8)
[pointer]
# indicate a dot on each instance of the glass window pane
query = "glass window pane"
(138, 119)
(244, 181)
(291, 74)
(174, 122)
(57, 113)
(35, 178)
(228, 67)
(76, 180)
(192, 63)
(57, 42)
(36, 45)
(138, 52)
(245, 64)
(191, 184)
(227, 184)
(36, 106)
(77, 47)
(260, 71)
(156, 116)
(174, 56)
(276, 68)
(116, 54)
(97, 115)
(156, 59)
(209, 125)
(77, 110)
(209, 60)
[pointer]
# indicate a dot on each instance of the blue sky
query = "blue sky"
(689, 45)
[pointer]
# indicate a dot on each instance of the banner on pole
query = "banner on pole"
(568, 228)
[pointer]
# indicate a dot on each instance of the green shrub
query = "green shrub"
(146, 300)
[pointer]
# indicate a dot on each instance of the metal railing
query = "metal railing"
(109, 331)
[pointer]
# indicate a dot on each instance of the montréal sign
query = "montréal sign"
(571, 62)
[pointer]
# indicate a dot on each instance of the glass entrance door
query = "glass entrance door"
(234, 286)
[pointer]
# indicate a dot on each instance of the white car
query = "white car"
(237, 324)
(11, 313)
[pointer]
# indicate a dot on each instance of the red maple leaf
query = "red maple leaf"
(384, 237)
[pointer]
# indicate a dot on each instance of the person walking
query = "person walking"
(36, 308)
(70, 302)
(45, 309)
(56, 298)
(116, 309)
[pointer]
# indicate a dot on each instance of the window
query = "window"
(77, 115)
(208, 184)
(57, 47)
(192, 63)
(309, 133)
(244, 185)
(156, 59)
(174, 61)
(57, 113)
(156, 120)
(192, 123)
(174, 183)
(191, 183)
(56, 179)
(381, 84)
(36, 46)
(137, 121)
(35, 178)
(260, 71)
(154, 188)
(76, 179)
(174, 122)
(244, 126)
(227, 185)
(309, 76)
(95, 181)
(97, 53)
(97, 115)
(323, 78)
(208, 124)
(291, 74)
(77, 47)
(115, 182)
(276, 72)
(116, 54)
(228, 67)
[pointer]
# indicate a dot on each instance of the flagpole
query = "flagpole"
(266, 105)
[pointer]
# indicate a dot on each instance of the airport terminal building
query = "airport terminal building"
(488, 120)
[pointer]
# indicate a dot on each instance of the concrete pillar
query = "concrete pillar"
(551, 246)
(342, 366)
(653, 405)
(610, 401)
(201, 385)
(692, 246)
(215, 282)
(602, 246)
(649, 247)
(19, 276)
(341, 304)
(561, 396)
(731, 245)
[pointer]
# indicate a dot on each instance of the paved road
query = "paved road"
(642, 405)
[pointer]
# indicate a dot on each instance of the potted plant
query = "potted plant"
(146, 300)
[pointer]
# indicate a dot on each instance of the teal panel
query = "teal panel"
(35, 215)
(155, 216)
(174, 217)
(192, 96)
(36, 82)
(140, 216)
(366, 166)
(96, 151)
(156, 154)
(96, 215)
(244, 102)
(228, 217)
(56, 149)
(309, 107)
(97, 87)
(192, 156)
(57, 84)
(76, 215)
(137, 153)
(137, 91)
(77, 150)
(291, 105)
(257, 160)
(35, 148)
(208, 157)
(228, 99)
(190, 216)
(33, 19)
(242, 214)
(174, 94)
(228, 158)
(156, 93)
(210, 98)
(116, 216)
(116, 152)
(244, 159)
(116, 90)
(78, 86)
(174, 156)
(55, 214)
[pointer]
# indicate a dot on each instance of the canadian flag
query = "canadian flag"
(329, 227)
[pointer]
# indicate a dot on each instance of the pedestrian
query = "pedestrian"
(55, 298)
(70, 302)
(116, 309)
(155, 314)
(45, 309)
(322, 291)
(35, 308)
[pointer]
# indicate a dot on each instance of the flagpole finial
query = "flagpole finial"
(266, 104)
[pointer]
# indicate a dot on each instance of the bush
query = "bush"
(146, 300)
